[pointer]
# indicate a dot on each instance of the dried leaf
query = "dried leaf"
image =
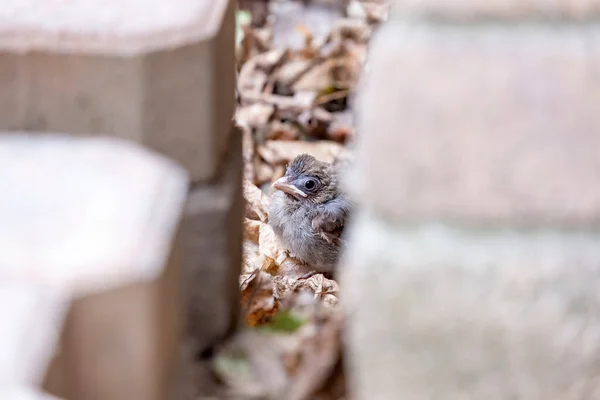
(251, 230)
(283, 131)
(251, 259)
(264, 172)
(257, 298)
(326, 290)
(282, 152)
(293, 268)
(269, 245)
(257, 203)
(317, 79)
(317, 19)
(290, 72)
(356, 10)
(353, 29)
(254, 115)
(269, 60)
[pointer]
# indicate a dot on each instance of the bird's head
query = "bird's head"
(308, 180)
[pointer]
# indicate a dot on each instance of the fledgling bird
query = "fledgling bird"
(308, 212)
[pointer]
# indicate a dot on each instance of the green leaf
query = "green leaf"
(242, 17)
(283, 321)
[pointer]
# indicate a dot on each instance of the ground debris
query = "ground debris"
(299, 63)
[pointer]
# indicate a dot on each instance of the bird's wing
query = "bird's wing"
(330, 219)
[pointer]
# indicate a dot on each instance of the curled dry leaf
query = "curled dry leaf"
(251, 258)
(252, 230)
(323, 289)
(251, 79)
(258, 303)
(341, 72)
(282, 152)
(290, 72)
(257, 203)
(254, 116)
(264, 172)
(353, 29)
(254, 74)
(271, 59)
(315, 122)
(280, 130)
(269, 245)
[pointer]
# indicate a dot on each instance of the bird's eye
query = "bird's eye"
(311, 185)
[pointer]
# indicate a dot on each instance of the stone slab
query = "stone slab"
(122, 344)
(212, 240)
(157, 72)
(32, 319)
(439, 312)
(486, 124)
(89, 222)
(472, 10)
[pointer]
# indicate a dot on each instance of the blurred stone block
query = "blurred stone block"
(482, 124)
(32, 319)
(91, 220)
(498, 9)
(123, 343)
(212, 252)
(473, 264)
(445, 312)
(23, 393)
(159, 72)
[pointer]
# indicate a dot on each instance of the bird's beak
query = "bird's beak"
(283, 185)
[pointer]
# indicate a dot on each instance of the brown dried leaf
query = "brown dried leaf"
(279, 172)
(251, 258)
(269, 245)
(257, 203)
(317, 79)
(254, 74)
(279, 130)
(251, 230)
(251, 79)
(341, 128)
(294, 268)
(353, 29)
(254, 116)
(317, 19)
(326, 290)
(257, 300)
(277, 152)
(292, 71)
(376, 12)
(264, 172)
(271, 59)
(286, 104)
(315, 122)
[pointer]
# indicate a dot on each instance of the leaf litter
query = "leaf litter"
(298, 67)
